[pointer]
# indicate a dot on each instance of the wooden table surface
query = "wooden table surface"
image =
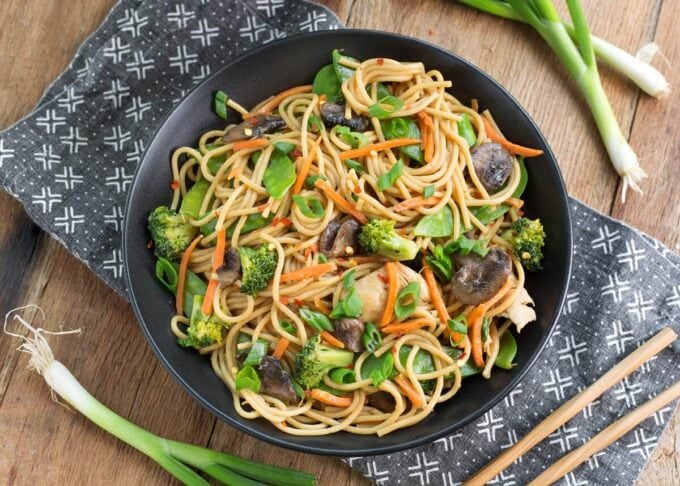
(44, 443)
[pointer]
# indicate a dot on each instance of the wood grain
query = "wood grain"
(44, 443)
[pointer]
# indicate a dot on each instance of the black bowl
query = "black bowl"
(294, 61)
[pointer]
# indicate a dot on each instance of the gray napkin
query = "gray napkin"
(71, 161)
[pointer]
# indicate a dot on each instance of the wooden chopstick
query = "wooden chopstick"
(577, 403)
(608, 435)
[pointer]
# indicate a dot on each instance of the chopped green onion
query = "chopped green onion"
(311, 180)
(309, 206)
(407, 300)
(386, 106)
(428, 191)
(343, 376)
(437, 225)
(247, 379)
(288, 327)
(440, 262)
(166, 273)
(466, 130)
(403, 128)
(256, 353)
(350, 306)
(390, 177)
(284, 148)
(220, 104)
(315, 124)
(354, 139)
(353, 164)
(322, 258)
(348, 279)
(315, 319)
(372, 338)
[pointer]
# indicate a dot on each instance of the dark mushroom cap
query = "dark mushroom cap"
(254, 126)
(275, 381)
(230, 270)
(478, 279)
(328, 236)
(334, 114)
(381, 400)
(350, 331)
(493, 165)
(346, 237)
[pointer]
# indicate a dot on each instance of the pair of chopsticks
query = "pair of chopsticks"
(580, 401)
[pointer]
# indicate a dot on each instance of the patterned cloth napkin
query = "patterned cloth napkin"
(71, 161)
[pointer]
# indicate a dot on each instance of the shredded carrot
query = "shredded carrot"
(235, 172)
(218, 260)
(308, 272)
(330, 399)
(283, 300)
(416, 202)
(404, 327)
(475, 320)
(276, 100)
(305, 166)
(332, 340)
(320, 306)
(359, 259)
(427, 127)
(435, 294)
(253, 143)
(280, 348)
(182, 274)
(388, 144)
(509, 146)
(392, 289)
(409, 390)
(341, 201)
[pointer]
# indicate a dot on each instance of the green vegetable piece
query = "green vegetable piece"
(440, 262)
(382, 91)
(166, 273)
(215, 162)
(253, 222)
(333, 391)
(350, 306)
(407, 300)
(343, 73)
(355, 139)
(288, 327)
(348, 279)
(437, 225)
(468, 369)
(466, 130)
(316, 320)
(371, 338)
(247, 379)
(428, 191)
(386, 106)
(326, 83)
(258, 266)
(191, 204)
(279, 176)
(343, 376)
(403, 128)
(311, 180)
(170, 233)
(322, 258)
(458, 325)
(353, 164)
(528, 239)
(255, 156)
(378, 369)
(379, 237)
(257, 352)
(310, 206)
(486, 323)
(422, 363)
(315, 124)
(220, 104)
(523, 179)
(390, 177)
(507, 351)
(284, 148)
(317, 359)
(203, 330)
(486, 215)
(193, 286)
(465, 246)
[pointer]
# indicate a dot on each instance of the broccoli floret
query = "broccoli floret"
(317, 359)
(379, 237)
(527, 238)
(257, 266)
(203, 330)
(170, 233)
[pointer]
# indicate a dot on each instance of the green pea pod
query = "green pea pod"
(378, 369)
(279, 176)
(343, 376)
(326, 83)
(350, 306)
(437, 225)
(167, 274)
(315, 319)
(191, 204)
(214, 163)
(486, 215)
(507, 351)
(468, 369)
(466, 130)
(343, 73)
(523, 179)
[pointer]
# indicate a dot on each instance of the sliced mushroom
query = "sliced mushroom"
(350, 331)
(478, 279)
(230, 271)
(334, 114)
(328, 236)
(373, 291)
(275, 381)
(381, 400)
(254, 126)
(493, 165)
(346, 240)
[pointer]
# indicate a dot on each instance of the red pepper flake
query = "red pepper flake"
(431, 31)
(299, 303)
(262, 207)
(384, 278)
(149, 244)
(283, 300)
(357, 190)
(296, 153)
(174, 185)
(276, 221)
(380, 61)
(286, 221)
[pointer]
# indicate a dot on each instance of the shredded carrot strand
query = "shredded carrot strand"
(409, 390)
(218, 259)
(253, 143)
(475, 319)
(182, 274)
(308, 272)
(509, 146)
(392, 289)
(404, 327)
(387, 144)
(276, 100)
(332, 340)
(435, 294)
(320, 306)
(341, 201)
(427, 127)
(416, 202)
(280, 348)
(330, 399)
(306, 165)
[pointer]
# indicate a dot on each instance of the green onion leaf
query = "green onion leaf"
(486, 323)
(437, 225)
(342, 376)
(310, 206)
(353, 164)
(372, 338)
(386, 106)
(315, 319)
(256, 353)
(350, 306)
(407, 299)
(428, 191)
(288, 327)
(166, 273)
(247, 379)
(354, 139)
(311, 180)
(322, 258)
(466, 130)
(343, 73)
(348, 279)
(220, 104)
(390, 177)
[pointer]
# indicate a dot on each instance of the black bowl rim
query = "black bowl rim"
(289, 443)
